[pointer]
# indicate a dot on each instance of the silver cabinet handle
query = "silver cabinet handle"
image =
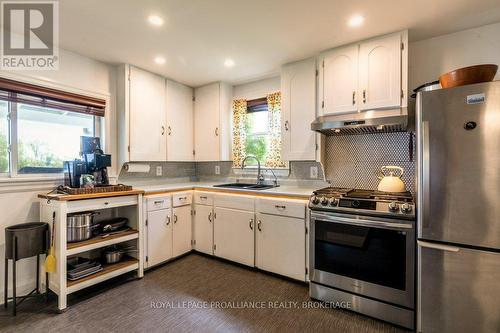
(438, 246)
(286, 125)
(259, 223)
(175, 218)
(250, 224)
(216, 131)
(168, 220)
(183, 198)
(364, 96)
(203, 197)
(210, 217)
(280, 206)
(158, 202)
(163, 130)
(169, 130)
(354, 97)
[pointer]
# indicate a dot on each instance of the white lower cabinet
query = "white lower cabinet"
(203, 231)
(159, 237)
(181, 230)
(227, 226)
(280, 245)
(234, 235)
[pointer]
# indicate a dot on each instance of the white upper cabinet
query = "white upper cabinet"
(380, 72)
(212, 116)
(369, 75)
(155, 117)
(339, 80)
(147, 116)
(180, 135)
(298, 87)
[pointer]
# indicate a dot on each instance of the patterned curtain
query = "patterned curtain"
(274, 159)
(239, 134)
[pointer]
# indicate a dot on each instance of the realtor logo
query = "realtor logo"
(30, 35)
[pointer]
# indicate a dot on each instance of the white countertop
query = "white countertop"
(282, 190)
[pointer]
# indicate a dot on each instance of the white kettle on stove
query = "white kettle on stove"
(389, 182)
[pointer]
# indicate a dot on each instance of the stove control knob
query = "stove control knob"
(393, 206)
(406, 208)
(334, 202)
(315, 200)
(324, 201)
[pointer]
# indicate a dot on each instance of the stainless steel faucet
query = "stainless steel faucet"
(260, 177)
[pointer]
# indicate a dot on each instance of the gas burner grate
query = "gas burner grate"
(364, 194)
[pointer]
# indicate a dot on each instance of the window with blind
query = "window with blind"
(41, 127)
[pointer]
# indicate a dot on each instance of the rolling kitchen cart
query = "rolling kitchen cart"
(109, 204)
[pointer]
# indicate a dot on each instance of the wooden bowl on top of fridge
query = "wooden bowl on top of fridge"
(468, 75)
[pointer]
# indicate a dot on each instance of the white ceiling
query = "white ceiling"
(259, 35)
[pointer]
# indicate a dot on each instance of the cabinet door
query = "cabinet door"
(203, 229)
(380, 72)
(298, 86)
(159, 231)
(147, 116)
(339, 80)
(281, 245)
(180, 136)
(234, 235)
(182, 230)
(206, 123)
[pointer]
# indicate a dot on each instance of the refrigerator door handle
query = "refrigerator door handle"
(435, 246)
(426, 175)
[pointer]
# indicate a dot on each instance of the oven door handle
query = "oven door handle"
(361, 222)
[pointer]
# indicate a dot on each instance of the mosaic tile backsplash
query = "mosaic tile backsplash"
(355, 160)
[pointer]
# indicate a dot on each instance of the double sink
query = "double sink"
(244, 186)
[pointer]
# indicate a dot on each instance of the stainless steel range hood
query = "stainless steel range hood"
(364, 122)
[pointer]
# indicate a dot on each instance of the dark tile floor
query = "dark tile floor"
(182, 296)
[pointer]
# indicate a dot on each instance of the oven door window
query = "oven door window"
(363, 253)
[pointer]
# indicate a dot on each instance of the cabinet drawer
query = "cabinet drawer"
(182, 199)
(102, 203)
(203, 198)
(281, 207)
(234, 201)
(157, 203)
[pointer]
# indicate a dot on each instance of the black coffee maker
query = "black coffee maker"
(93, 162)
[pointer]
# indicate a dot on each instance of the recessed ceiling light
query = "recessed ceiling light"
(229, 62)
(356, 21)
(155, 20)
(160, 60)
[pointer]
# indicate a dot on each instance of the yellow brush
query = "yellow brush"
(50, 261)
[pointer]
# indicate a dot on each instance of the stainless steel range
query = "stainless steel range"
(362, 252)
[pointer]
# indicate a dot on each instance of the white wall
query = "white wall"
(18, 202)
(257, 89)
(430, 58)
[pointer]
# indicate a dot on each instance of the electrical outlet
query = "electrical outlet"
(217, 169)
(159, 170)
(313, 172)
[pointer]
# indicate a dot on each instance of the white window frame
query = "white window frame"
(102, 129)
(252, 169)
(14, 145)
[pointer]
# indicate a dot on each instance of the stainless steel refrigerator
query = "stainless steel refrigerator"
(458, 132)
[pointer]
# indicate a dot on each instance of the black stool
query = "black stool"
(23, 241)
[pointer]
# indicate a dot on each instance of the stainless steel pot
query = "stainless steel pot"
(80, 226)
(113, 256)
(114, 253)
